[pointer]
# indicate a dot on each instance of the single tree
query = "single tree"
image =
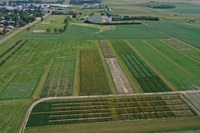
(48, 30)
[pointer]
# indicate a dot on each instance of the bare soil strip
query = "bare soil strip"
(121, 82)
(194, 99)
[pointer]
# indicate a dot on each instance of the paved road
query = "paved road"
(94, 96)
(17, 31)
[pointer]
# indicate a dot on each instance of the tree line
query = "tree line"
(126, 18)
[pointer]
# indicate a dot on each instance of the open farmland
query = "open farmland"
(23, 84)
(185, 48)
(93, 79)
(175, 76)
(145, 76)
(105, 109)
(182, 31)
(50, 22)
(60, 79)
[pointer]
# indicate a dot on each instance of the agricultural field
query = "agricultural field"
(179, 30)
(50, 22)
(104, 78)
(185, 48)
(108, 109)
(93, 79)
(145, 76)
(60, 78)
(106, 48)
(178, 77)
(23, 84)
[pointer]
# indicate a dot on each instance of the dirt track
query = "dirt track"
(121, 82)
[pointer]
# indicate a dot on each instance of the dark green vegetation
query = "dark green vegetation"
(108, 109)
(93, 79)
(79, 2)
(60, 79)
(145, 76)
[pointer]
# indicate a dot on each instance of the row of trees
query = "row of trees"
(161, 6)
(126, 18)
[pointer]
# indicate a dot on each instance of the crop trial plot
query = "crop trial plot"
(23, 84)
(121, 82)
(146, 77)
(107, 51)
(60, 78)
(93, 78)
(103, 109)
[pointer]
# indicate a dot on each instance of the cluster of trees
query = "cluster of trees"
(126, 18)
(114, 23)
(37, 1)
(80, 2)
(161, 6)
(20, 17)
(60, 30)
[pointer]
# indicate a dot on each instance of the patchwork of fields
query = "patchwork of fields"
(105, 109)
(154, 57)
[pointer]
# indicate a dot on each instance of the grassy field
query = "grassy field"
(177, 76)
(184, 32)
(78, 32)
(93, 79)
(23, 84)
(51, 22)
(12, 114)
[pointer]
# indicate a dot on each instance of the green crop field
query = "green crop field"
(60, 78)
(169, 69)
(93, 79)
(23, 84)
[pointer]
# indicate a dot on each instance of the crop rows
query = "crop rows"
(146, 77)
(11, 51)
(23, 84)
(93, 78)
(89, 110)
(60, 78)
(189, 50)
(107, 51)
